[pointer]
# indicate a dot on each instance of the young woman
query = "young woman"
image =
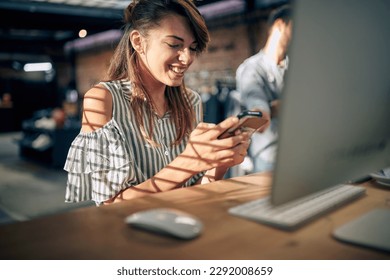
(141, 129)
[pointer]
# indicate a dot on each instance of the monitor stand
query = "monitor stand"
(370, 230)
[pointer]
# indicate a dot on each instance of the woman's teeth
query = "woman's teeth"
(178, 70)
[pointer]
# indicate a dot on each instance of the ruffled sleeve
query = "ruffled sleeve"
(98, 165)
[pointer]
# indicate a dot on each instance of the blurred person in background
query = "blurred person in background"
(259, 81)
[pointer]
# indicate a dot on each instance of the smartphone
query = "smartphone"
(249, 121)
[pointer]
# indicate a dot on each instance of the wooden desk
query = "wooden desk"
(100, 232)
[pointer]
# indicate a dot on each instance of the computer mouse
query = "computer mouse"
(167, 221)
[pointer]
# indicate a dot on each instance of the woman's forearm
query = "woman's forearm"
(174, 175)
(213, 175)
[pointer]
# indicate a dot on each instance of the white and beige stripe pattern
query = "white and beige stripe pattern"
(116, 156)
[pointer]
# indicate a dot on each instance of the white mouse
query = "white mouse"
(167, 221)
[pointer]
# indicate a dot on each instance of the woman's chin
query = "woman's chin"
(174, 83)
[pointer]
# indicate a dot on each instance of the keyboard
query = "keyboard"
(292, 215)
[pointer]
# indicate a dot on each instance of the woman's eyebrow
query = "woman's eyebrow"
(178, 38)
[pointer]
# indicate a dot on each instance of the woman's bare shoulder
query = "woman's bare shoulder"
(97, 108)
(97, 93)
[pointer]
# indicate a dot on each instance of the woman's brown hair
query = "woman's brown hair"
(143, 15)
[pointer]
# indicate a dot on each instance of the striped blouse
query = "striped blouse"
(116, 156)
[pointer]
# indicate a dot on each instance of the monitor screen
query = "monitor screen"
(335, 112)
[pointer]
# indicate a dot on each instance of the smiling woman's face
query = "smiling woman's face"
(168, 51)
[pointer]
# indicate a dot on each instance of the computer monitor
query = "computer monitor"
(335, 109)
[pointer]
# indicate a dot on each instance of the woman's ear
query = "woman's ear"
(136, 41)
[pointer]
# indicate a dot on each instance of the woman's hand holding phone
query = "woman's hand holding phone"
(249, 121)
(206, 150)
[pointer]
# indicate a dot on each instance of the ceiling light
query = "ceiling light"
(34, 67)
(82, 33)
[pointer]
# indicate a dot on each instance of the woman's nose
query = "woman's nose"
(185, 56)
